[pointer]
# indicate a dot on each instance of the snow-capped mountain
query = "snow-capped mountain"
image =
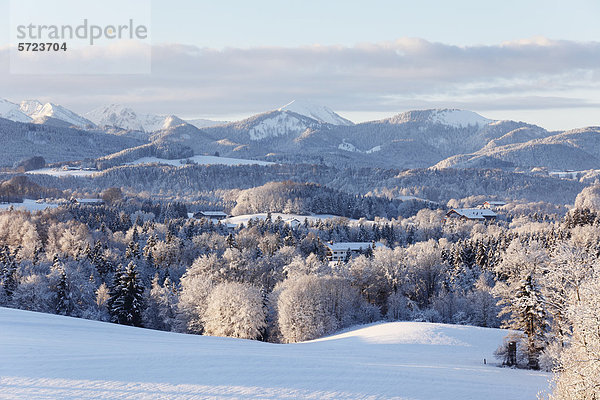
(126, 118)
(458, 118)
(278, 124)
(12, 111)
(281, 125)
(55, 111)
(315, 111)
(31, 107)
(172, 121)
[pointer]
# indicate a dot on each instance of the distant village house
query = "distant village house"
(472, 214)
(343, 251)
(214, 215)
(492, 205)
(90, 202)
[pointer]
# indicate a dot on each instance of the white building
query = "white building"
(292, 222)
(343, 250)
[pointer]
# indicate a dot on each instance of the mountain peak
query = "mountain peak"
(315, 111)
(51, 110)
(458, 118)
(126, 118)
(172, 121)
(30, 107)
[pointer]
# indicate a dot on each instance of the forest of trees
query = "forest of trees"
(440, 186)
(144, 263)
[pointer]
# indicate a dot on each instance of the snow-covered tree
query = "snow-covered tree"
(161, 305)
(521, 296)
(589, 198)
(196, 285)
(312, 306)
(235, 310)
(579, 364)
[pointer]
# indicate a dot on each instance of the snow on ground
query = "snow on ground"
(316, 112)
(311, 218)
(27, 204)
(49, 357)
(200, 160)
(373, 150)
(207, 160)
(458, 118)
(347, 146)
(61, 172)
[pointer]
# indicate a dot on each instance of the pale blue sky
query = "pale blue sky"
(236, 23)
(366, 59)
(294, 23)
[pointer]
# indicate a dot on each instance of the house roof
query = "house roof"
(473, 213)
(92, 201)
(213, 213)
(495, 203)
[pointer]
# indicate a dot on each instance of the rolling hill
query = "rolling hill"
(50, 356)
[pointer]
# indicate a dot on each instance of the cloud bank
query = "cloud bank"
(407, 73)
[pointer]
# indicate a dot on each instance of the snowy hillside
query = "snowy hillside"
(11, 111)
(316, 112)
(458, 118)
(56, 144)
(578, 149)
(277, 124)
(49, 356)
(450, 117)
(203, 160)
(61, 172)
(172, 121)
(28, 204)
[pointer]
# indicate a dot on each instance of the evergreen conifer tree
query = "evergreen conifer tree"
(126, 301)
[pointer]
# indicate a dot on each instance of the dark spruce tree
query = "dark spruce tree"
(126, 297)
(63, 301)
(8, 272)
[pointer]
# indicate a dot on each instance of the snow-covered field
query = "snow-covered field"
(53, 357)
(61, 172)
(200, 160)
(29, 205)
(205, 160)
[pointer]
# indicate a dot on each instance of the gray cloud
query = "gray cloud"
(188, 80)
